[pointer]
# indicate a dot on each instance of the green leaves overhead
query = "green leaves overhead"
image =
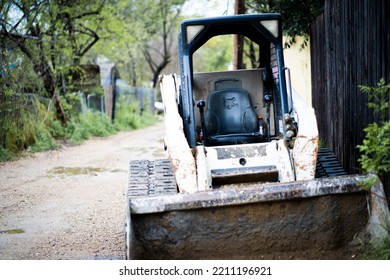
(140, 37)
(297, 15)
(52, 35)
(379, 99)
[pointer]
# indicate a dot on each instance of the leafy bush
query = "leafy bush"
(44, 141)
(375, 153)
(375, 157)
(128, 116)
(17, 127)
(77, 133)
(6, 155)
(57, 130)
(375, 149)
(92, 124)
(33, 127)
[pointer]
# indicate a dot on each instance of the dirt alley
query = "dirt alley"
(69, 203)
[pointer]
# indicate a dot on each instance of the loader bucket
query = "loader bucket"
(316, 219)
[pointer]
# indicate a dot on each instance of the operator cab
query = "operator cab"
(232, 107)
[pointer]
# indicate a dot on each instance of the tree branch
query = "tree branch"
(149, 59)
(95, 37)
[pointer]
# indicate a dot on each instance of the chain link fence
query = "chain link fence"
(144, 97)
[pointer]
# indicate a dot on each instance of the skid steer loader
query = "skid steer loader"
(242, 174)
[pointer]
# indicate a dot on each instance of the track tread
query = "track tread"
(150, 177)
(328, 165)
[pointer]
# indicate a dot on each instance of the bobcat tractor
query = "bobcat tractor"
(244, 176)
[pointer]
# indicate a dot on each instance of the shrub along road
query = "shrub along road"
(69, 203)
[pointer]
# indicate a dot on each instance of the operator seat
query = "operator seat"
(230, 118)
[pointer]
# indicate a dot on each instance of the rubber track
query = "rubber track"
(150, 177)
(328, 165)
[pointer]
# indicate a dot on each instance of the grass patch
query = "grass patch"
(128, 117)
(380, 248)
(76, 170)
(12, 231)
(44, 141)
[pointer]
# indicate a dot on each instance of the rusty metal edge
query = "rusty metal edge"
(255, 193)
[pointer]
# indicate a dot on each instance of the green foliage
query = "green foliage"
(6, 155)
(381, 247)
(57, 130)
(322, 143)
(41, 46)
(17, 129)
(25, 126)
(44, 141)
(128, 117)
(17, 116)
(139, 37)
(297, 15)
(77, 133)
(96, 124)
(379, 99)
(53, 36)
(375, 149)
(215, 55)
(378, 248)
(375, 153)
(84, 127)
(98, 90)
(40, 130)
(71, 103)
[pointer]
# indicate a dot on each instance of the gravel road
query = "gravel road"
(69, 203)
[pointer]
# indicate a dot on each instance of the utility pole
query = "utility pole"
(238, 62)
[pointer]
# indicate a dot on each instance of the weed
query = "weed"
(38, 129)
(44, 141)
(375, 149)
(6, 155)
(375, 154)
(379, 249)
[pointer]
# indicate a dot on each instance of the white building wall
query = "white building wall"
(298, 60)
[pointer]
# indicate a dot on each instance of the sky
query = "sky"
(208, 8)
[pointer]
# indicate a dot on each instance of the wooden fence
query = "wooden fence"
(350, 46)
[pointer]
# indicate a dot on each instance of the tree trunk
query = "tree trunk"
(50, 86)
(44, 71)
(238, 61)
(157, 68)
(42, 68)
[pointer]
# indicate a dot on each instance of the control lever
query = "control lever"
(201, 104)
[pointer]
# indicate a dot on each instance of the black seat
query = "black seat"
(230, 118)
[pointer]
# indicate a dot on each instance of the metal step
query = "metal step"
(244, 175)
